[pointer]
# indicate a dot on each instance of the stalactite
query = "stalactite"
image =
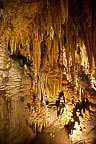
(41, 21)
(12, 44)
(94, 37)
(67, 46)
(66, 10)
(87, 13)
(73, 48)
(63, 11)
(61, 54)
(87, 43)
(34, 55)
(39, 56)
(51, 20)
(87, 17)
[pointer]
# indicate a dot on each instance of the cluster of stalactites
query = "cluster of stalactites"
(40, 31)
(43, 42)
(89, 31)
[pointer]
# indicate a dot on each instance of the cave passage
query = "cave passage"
(47, 72)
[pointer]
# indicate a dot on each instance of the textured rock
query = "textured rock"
(47, 48)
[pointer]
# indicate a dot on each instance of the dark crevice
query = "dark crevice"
(21, 57)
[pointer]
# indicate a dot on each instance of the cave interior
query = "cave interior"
(47, 71)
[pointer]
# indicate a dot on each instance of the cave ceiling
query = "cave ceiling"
(27, 25)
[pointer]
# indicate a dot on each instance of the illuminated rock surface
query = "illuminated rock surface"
(47, 71)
